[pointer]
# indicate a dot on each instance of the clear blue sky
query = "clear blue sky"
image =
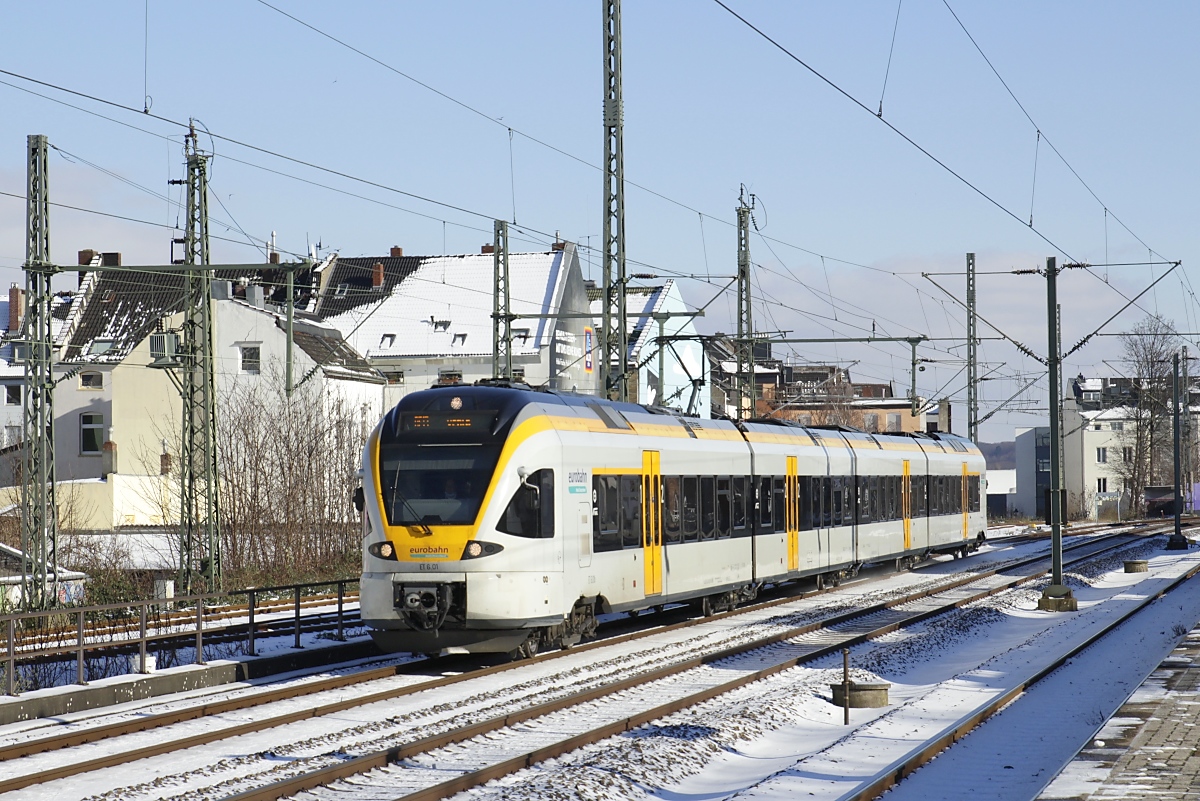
(709, 105)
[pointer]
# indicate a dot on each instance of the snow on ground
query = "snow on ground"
(782, 738)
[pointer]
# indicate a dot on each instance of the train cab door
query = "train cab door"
(652, 524)
(792, 514)
(906, 503)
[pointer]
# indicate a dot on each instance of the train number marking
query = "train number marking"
(428, 568)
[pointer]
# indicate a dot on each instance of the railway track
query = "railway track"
(433, 713)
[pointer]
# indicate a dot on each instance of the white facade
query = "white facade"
(1093, 451)
(683, 360)
(430, 320)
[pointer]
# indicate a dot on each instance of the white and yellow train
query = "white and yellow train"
(505, 519)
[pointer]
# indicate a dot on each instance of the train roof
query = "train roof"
(508, 398)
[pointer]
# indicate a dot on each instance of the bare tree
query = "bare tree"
(1146, 439)
(288, 471)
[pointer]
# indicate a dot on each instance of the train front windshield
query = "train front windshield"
(428, 484)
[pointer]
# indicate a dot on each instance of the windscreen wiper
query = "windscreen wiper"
(425, 529)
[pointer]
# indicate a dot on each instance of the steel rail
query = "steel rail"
(897, 771)
(356, 765)
(167, 718)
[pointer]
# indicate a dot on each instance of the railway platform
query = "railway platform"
(1150, 747)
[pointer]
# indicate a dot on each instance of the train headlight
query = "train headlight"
(478, 548)
(382, 550)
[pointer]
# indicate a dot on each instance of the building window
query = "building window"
(341, 290)
(446, 377)
(1043, 465)
(1127, 454)
(804, 419)
(251, 358)
(91, 380)
(395, 379)
(1096, 427)
(12, 394)
(1101, 455)
(893, 421)
(1117, 426)
(91, 432)
(871, 422)
(99, 347)
(1102, 485)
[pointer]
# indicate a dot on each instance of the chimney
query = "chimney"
(397, 252)
(86, 256)
(274, 257)
(377, 275)
(559, 246)
(487, 249)
(254, 296)
(108, 453)
(110, 259)
(164, 464)
(16, 307)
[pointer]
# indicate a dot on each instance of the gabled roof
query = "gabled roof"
(641, 302)
(114, 311)
(437, 306)
(333, 354)
(118, 310)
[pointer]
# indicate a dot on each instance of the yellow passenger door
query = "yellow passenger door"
(652, 535)
(792, 495)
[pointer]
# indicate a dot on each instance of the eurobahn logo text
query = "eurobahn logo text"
(429, 552)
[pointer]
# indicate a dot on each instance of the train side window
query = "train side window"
(765, 518)
(973, 493)
(672, 519)
(606, 534)
(862, 505)
(724, 514)
(739, 502)
(814, 498)
(631, 511)
(893, 497)
(826, 502)
(708, 512)
(918, 496)
(691, 508)
(777, 505)
(836, 482)
(530, 513)
(804, 495)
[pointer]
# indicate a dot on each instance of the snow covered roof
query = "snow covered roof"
(641, 304)
(326, 347)
(441, 305)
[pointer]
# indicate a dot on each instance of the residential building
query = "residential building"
(426, 320)
(117, 407)
(655, 310)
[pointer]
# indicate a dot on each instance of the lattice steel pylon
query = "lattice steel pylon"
(501, 306)
(39, 511)
(972, 355)
(199, 511)
(745, 335)
(614, 336)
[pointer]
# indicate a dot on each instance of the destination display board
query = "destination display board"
(447, 421)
